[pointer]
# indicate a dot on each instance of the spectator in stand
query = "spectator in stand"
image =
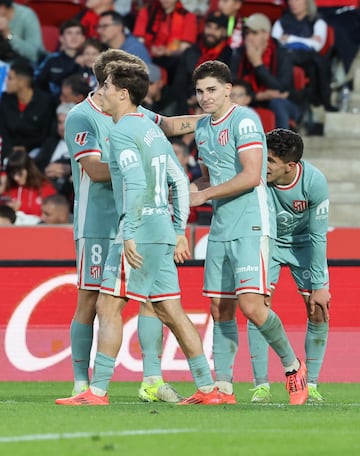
(153, 99)
(231, 9)
(241, 93)
(74, 89)
(59, 65)
(213, 45)
(198, 7)
(20, 32)
(268, 67)
(91, 50)
(167, 29)
(346, 24)
(303, 32)
(26, 113)
(114, 34)
(55, 210)
(53, 158)
(25, 184)
(7, 215)
(89, 16)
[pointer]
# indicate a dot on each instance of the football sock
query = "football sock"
(81, 336)
(225, 346)
(103, 371)
(201, 373)
(150, 334)
(315, 346)
(274, 333)
(259, 354)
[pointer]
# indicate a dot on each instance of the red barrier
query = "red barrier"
(37, 304)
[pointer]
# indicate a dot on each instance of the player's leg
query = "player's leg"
(90, 258)
(150, 334)
(108, 308)
(219, 285)
(252, 305)
(258, 347)
(317, 329)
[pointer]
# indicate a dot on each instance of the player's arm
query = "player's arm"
(97, 170)
(179, 125)
(179, 184)
(318, 227)
(249, 178)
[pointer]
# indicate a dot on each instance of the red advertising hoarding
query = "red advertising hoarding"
(37, 304)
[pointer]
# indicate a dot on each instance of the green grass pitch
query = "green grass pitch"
(32, 425)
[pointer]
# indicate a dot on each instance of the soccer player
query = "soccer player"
(95, 227)
(233, 157)
(140, 263)
(300, 194)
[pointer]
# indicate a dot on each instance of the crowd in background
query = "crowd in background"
(39, 86)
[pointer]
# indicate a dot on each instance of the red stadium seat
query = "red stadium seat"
(50, 35)
(55, 12)
(267, 118)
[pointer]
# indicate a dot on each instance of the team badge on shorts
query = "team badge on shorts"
(95, 272)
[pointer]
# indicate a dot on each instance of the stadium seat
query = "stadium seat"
(267, 118)
(55, 12)
(50, 35)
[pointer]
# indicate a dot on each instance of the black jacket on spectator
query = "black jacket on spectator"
(29, 128)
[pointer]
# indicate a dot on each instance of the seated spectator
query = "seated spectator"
(198, 7)
(241, 93)
(53, 158)
(26, 113)
(7, 215)
(153, 98)
(25, 184)
(89, 16)
(91, 50)
(167, 29)
(301, 30)
(20, 32)
(74, 89)
(267, 66)
(113, 33)
(55, 210)
(213, 45)
(59, 65)
(346, 24)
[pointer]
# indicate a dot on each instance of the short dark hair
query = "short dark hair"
(214, 69)
(246, 85)
(115, 16)
(79, 85)
(7, 211)
(7, 3)
(71, 23)
(285, 144)
(58, 199)
(130, 76)
(22, 67)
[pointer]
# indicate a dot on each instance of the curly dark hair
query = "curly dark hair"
(285, 144)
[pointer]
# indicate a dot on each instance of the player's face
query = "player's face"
(213, 96)
(278, 172)
(109, 97)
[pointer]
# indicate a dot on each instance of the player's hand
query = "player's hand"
(134, 259)
(320, 298)
(197, 198)
(182, 251)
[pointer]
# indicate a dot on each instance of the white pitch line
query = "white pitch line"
(81, 435)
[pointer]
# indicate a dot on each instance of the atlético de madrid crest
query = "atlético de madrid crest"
(299, 205)
(223, 137)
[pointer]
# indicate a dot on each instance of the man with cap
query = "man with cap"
(268, 67)
(212, 45)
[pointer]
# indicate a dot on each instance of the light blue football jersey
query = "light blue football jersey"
(142, 165)
(302, 211)
(87, 133)
(219, 145)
